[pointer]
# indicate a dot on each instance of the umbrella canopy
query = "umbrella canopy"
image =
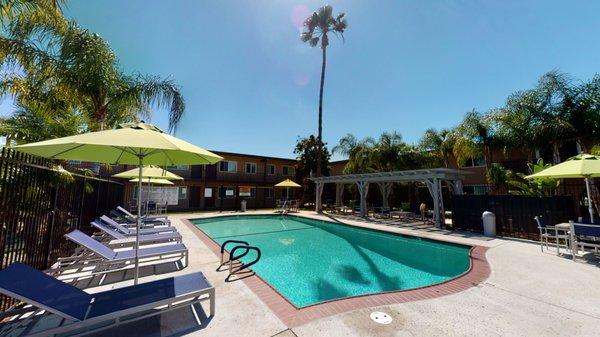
(582, 165)
(124, 145)
(579, 166)
(153, 181)
(149, 171)
(131, 144)
(287, 183)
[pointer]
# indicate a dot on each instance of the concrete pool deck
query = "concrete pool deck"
(527, 293)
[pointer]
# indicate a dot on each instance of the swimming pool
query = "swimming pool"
(310, 261)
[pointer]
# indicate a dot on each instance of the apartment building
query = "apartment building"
(224, 185)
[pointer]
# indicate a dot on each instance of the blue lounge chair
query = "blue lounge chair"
(101, 259)
(584, 236)
(51, 307)
(121, 240)
(131, 231)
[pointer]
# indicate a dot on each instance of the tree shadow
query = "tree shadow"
(352, 274)
(327, 291)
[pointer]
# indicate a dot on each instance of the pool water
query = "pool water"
(310, 261)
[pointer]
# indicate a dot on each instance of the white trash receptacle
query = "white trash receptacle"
(243, 205)
(489, 224)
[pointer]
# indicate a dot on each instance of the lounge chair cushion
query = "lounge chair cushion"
(43, 291)
(147, 293)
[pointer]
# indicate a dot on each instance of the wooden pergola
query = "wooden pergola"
(431, 177)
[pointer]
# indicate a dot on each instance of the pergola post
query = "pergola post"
(456, 186)
(318, 193)
(339, 191)
(363, 190)
(434, 185)
(386, 190)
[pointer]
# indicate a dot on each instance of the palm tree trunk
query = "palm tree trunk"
(555, 154)
(320, 133)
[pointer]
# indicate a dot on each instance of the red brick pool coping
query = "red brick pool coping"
(292, 316)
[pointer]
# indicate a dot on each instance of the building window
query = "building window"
(476, 189)
(226, 192)
(178, 167)
(182, 193)
(270, 169)
(288, 170)
(475, 162)
(268, 193)
(251, 168)
(247, 191)
(228, 166)
(208, 191)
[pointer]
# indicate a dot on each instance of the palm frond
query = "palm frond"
(151, 90)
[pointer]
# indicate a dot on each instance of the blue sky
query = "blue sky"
(251, 86)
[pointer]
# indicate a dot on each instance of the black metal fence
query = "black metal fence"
(38, 206)
(514, 213)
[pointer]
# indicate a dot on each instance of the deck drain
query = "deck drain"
(381, 317)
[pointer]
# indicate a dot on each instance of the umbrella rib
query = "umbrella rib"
(65, 151)
(167, 155)
(120, 155)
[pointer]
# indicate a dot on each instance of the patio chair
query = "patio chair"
(548, 233)
(49, 307)
(382, 212)
(127, 231)
(162, 209)
(103, 259)
(584, 236)
(121, 240)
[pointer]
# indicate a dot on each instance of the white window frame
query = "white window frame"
(225, 196)
(269, 170)
(228, 164)
(251, 165)
(291, 170)
(272, 193)
(472, 162)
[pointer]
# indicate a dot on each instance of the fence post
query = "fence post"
(81, 204)
(51, 228)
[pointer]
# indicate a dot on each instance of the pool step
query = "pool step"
(236, 266)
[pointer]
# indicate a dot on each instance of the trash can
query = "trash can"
(243, 205)
(489, 224)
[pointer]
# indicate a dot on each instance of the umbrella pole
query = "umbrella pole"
(589, 196)
(138, 223)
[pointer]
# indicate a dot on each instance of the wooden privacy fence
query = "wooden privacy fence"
(514, 213)
(38, 206)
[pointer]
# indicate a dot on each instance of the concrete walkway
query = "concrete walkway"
(528, 293)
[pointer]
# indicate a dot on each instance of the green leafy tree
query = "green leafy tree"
(307, 154)
(540, 187)
(318, 27)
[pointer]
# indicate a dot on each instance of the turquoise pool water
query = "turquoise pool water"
(310, 261)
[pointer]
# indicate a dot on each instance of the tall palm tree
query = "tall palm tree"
(439, 142)
(476, 137)
(55, 58)
(318, 26)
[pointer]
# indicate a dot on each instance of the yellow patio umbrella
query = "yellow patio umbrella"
(583, 165)
(287, 184)
(129, 144)
(153, 181)
(148, 172)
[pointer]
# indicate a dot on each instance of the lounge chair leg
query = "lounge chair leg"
(212, 303)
